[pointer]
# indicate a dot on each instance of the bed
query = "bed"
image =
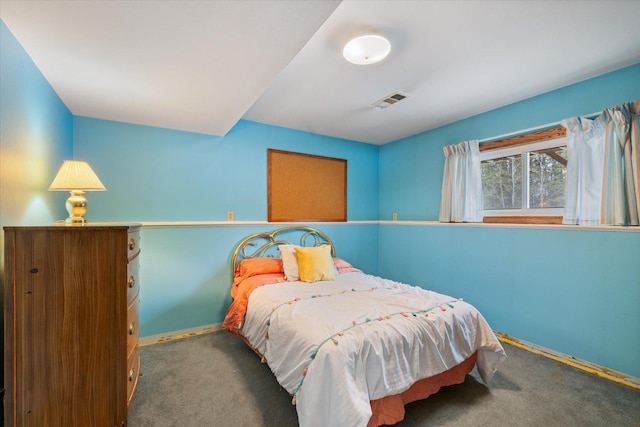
(351, 348)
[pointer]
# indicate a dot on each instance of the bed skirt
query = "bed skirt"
(390, 409)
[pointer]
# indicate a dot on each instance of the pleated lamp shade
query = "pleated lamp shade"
(76, 175)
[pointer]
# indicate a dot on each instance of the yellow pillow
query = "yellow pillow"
(315, 263)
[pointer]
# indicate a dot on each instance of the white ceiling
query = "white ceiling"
(201, 66)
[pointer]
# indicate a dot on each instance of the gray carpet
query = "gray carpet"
(216, 380)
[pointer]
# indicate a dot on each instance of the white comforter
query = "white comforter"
(336, 345)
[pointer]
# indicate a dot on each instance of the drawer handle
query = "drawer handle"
(132, 244)
(132, 374)
(132, 281)
(132, 328)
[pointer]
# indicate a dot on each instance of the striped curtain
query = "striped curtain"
(626, 120)
(603, 168)
(461, 183)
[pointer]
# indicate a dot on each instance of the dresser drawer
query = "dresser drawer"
(133, 243)
(132, 329)
(133, 366)
(133, 284)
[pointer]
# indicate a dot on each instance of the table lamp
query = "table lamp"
(76, 177)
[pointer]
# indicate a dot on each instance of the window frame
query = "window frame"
(522, 145)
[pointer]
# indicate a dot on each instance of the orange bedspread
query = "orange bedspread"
(238, 308)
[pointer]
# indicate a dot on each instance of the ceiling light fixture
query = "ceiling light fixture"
(367, 49)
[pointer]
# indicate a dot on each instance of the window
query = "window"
(526, 179)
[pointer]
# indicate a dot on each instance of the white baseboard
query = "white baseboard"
(574, 362)
(176, 335)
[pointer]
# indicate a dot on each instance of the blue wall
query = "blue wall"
(574, 291)
(36, 135)
(155, 175)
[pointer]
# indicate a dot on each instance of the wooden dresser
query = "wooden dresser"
(71, 324)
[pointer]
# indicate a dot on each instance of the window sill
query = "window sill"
(522, 219)
(599, 228)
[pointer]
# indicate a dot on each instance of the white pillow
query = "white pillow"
(289, 262)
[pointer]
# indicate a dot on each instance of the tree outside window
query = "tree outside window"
(527, 179)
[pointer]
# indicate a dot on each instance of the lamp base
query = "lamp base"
(76, 206)
(75, 221)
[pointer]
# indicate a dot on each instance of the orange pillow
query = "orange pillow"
(344, 267)
(262, 265)
(340, 263)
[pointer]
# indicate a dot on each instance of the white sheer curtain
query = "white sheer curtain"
(585, 169)
(603, 168)
(461, 183)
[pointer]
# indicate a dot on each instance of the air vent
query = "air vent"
(389, 100)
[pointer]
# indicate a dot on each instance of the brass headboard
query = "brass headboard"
(265, 243)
